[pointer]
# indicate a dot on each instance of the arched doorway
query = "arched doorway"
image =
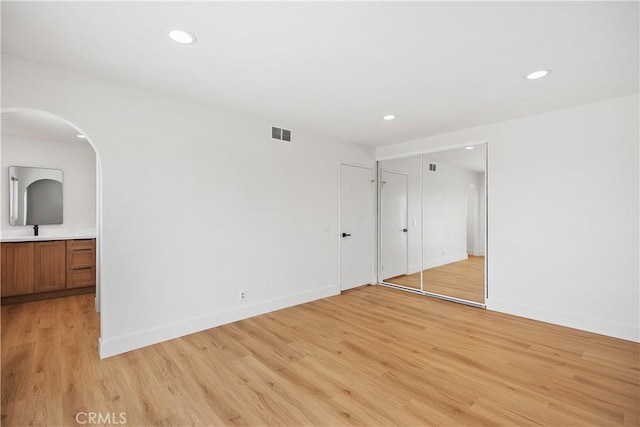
(24, 130)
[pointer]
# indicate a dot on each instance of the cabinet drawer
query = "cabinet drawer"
(81, 245)
(83, 276)
(81, 253)
(77, 259)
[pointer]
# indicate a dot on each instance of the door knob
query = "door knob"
(346, 234)
(404, 230)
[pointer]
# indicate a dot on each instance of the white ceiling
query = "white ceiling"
(39, 125)
(336, 67)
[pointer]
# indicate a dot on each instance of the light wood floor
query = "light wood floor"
(371, 356)
(462, 279)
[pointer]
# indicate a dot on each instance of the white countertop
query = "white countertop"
(42, 238)
(67, 234)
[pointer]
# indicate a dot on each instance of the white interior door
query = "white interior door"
(394, 223)
(356, 226)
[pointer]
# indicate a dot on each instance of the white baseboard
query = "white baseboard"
(414, 268)
(123, 344)
(437, 262)
(589, 324)
(478, 252)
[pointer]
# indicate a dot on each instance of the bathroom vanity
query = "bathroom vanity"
(39, 268)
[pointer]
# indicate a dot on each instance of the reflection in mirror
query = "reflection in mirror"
(454, 218)
(400, 223)
(35, 196)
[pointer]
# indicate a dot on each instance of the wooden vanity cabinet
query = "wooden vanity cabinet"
(81, 263)
(17, 268)
(49, 268)
(45, 269)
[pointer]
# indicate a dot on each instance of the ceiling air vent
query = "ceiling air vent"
(280, 134)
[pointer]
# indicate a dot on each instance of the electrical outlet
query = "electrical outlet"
(243, 295)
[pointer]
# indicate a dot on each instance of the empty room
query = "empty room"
(320, 213)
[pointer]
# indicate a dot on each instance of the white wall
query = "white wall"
(197, 204)
(411, 166)
(562, 214)
(78, 163)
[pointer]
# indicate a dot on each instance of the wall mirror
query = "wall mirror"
(432, 230)
(35, 196)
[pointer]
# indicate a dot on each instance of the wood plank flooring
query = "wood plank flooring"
(462, 279)
(371, 356)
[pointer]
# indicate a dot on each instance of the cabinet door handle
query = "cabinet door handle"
(82, 268)
(81, 250)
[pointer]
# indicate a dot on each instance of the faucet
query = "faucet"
(35, 230)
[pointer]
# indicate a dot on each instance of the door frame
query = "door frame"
(380, 220)
(374, 249)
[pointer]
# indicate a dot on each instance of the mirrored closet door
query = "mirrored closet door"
(400, 222)
(453, 207)
(433, 223)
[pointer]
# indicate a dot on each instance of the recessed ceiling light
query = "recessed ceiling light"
(182, 37)
(469, 148)
(389, 117)
(538, 74)
(81, 136)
